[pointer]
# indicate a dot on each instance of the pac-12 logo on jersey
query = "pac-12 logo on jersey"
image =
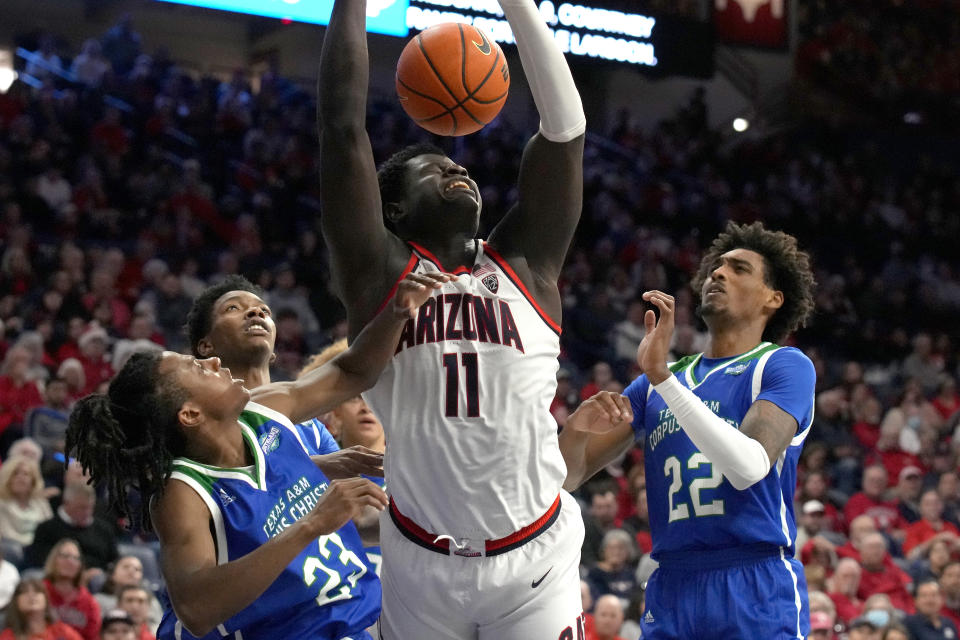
(491, 282)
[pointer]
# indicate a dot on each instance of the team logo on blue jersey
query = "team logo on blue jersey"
(270, 440)
(491, 282)
(735, 370)
(649, 617)
(226, 498)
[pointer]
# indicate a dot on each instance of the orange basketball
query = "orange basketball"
(452, 79)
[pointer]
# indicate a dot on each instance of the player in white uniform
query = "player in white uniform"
(480, 542)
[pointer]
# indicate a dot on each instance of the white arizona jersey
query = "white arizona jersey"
(472, 449)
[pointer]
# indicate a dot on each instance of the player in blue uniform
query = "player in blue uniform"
(231, 320)
(724, 430)
(255, 540)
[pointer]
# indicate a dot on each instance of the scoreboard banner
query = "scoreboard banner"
(600, 30)
(758, 23)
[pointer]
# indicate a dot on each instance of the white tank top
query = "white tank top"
(472, 448)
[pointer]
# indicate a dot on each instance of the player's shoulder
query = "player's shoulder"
(789, 357)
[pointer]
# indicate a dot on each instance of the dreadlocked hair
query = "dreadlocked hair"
(786, 269)
(393, 172)
(128, 437)
(200, 317)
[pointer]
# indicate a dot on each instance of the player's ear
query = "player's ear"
(775, 300)
(190, 414)
(273, 358)
(204, 348)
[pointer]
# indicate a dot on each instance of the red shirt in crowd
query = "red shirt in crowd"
(54, 631)
(884, 512)
(921, 531)
(80, 611)
(891, 580)
(16, 399)
(847, 608)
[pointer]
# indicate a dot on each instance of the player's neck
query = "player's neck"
(726, 342)
(220, 444)
(253, 376)
(452, 252)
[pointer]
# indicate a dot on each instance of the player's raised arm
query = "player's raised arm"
(352, 221)
(551, 172)
(357, 368)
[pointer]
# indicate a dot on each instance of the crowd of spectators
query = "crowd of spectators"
(901, 58)
(127, 184)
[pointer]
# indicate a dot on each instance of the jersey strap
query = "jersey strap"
(441, 543)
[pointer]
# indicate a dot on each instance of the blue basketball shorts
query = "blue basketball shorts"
(744, 593)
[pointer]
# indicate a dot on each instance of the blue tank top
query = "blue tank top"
(692, 506)
(328, 591)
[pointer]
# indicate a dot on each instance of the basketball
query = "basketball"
(452, 79)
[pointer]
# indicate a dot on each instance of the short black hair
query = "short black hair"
(392, 172)
(786, 269)
(200, 318)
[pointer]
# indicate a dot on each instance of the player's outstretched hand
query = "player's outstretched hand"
(600, 413)
(653, 349)
(414, 290)
(350, 463)
(344, 500)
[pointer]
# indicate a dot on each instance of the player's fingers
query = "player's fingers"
(609, 405)
(438, 278)
(623, 403)
(649, 320)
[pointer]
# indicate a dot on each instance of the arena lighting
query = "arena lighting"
(740, 124)
(7, 74)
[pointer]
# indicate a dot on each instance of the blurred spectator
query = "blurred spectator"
(811, 523)
(882, 576)
(947, 400)
(893, 631)
(864, 629)
(53, 188)
(598, 521)
(30, 615)
(930, 528)
(815, 486)
(907, 492)
(127, 571)
(614, 573)
(171, 306)
(607, 619)
(930, 565)
(628, 333)
(72, 372)
(927, 623)
(871, 501)
(923, 364)
(638, 524)
(118, 625)
(950, 588)
(90, 66)
(121, 45)
(287, 295)
(94, 356)
(136, 601)
(601, 377)
(821, 626)
(63, 576)
(23, 505)
(18, 394)
(75, 520)
(843, 588)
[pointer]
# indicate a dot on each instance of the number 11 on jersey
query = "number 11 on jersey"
(453, 362)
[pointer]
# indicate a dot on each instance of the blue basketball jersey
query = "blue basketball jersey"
(316, 438)
(692, 506)
(328, 591)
